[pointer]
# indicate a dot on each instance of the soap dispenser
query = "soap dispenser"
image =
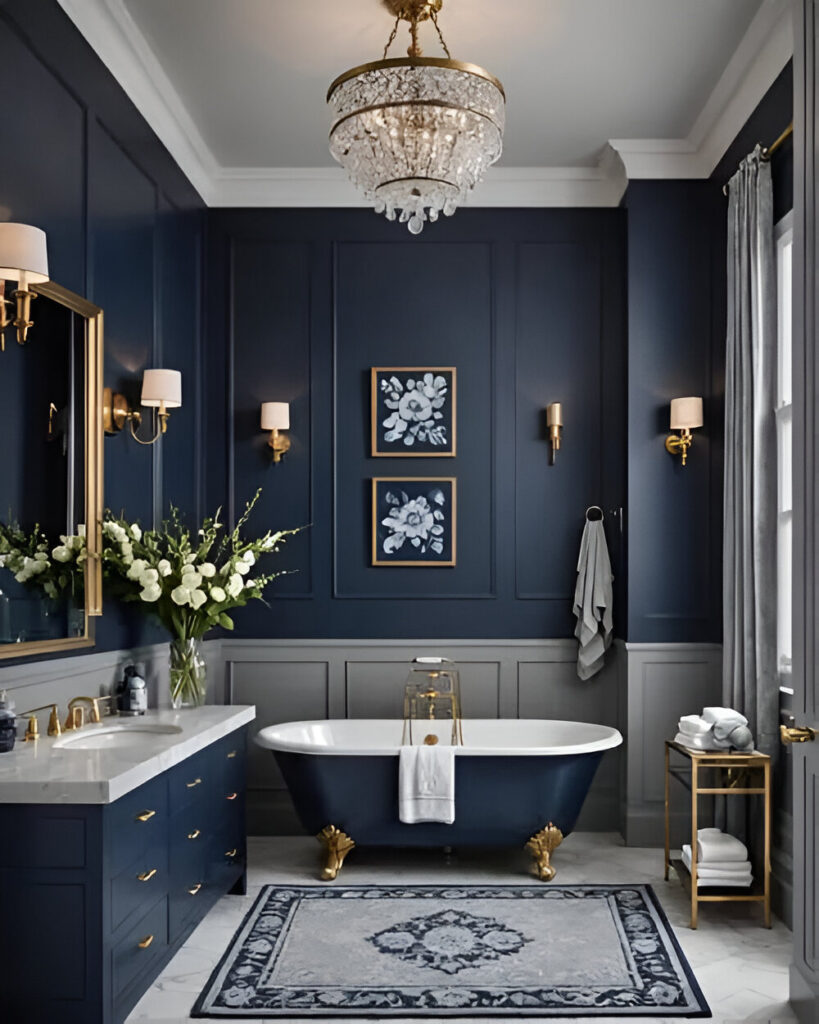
(133, 698)
(8, 723)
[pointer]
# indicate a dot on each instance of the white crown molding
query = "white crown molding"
(765, 49)
(761, 55)
(110, 30)
(504, 186)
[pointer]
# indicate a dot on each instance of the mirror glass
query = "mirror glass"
(48, 447)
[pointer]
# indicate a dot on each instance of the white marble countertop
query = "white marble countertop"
(48, 772)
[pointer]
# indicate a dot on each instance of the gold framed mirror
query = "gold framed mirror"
(51, 477)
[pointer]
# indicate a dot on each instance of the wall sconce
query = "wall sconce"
(686, 415)
(23, 258)
(161, 389)
(554, 421)
(275, 418)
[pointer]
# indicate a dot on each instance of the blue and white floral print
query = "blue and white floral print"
(415, 406)
(449, 941)
(417, 520)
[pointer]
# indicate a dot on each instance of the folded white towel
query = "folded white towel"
(693, 725)
(735, 873)
(716, 848)
(426, 784)
(705, 742)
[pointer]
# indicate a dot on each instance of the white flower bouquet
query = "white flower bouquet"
(188, 580)
(35, 561)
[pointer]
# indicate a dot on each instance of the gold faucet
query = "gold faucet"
(33, 729)
(75, 718)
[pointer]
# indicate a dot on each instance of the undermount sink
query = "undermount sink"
(115, 737)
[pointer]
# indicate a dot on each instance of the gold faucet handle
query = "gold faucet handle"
(33, 729)
(108, 699)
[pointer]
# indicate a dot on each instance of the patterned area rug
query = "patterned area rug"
(462, 951)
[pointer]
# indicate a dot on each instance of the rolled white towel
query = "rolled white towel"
(717, 848)
(693, 725)
(724, 720)
(734, 874)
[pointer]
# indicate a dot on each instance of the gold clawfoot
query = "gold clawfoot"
(338, 845)
(542, 845)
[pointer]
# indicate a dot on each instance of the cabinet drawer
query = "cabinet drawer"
(133, 956)
(137, 821)
(193, 781)
(190, 888)
(145, 878)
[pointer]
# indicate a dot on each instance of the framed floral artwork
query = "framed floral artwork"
(413, 411)
(414, 520)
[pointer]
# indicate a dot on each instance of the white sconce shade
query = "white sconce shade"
(23, 253)
(275, 415)
(686, 413)
(162, 387)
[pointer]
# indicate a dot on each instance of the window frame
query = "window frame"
(783, 415)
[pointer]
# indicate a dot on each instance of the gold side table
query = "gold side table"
(739, 775)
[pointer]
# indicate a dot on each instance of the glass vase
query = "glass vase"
(188, 674)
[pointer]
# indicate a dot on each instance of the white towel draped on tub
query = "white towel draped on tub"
(593, 599)
(426, 784)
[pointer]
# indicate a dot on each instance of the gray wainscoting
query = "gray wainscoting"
(93, 675)
(662, 682)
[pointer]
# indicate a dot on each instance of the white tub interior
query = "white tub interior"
(482, 736)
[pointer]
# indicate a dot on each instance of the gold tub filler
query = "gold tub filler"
(432, 693)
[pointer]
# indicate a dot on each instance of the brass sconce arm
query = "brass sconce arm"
(280, 443)
(678, 444)
(116, 412)
(21, 302)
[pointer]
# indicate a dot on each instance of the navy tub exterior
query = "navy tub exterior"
(498, 800)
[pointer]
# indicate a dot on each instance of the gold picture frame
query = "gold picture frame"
(434, 490)
(93, 468)
(421, 449)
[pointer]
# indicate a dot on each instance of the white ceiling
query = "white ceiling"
(237, 87)
(253, 74)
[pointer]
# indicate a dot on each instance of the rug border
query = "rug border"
(199, 1013)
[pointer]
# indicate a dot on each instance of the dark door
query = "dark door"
(805, 968)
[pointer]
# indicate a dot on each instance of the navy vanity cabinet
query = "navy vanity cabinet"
(95, 899)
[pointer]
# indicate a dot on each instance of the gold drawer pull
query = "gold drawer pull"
(146, 942)
(195, 782)
(146, 876)
(232, 853)
(145, 816)
(232, 753)
(195, 834)
(195, 889)
(232, 796)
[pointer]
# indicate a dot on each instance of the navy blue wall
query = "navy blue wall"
(676, 324)
(124, 229)
(527, 304)
(676, 313)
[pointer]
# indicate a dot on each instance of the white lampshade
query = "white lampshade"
(686, 413)
(275, 415)
(23, 253)
(162, 386)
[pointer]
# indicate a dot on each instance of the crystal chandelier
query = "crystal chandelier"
(416, 134)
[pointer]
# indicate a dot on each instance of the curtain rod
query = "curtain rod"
(769, 151)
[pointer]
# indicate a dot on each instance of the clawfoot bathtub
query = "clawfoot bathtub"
(517, 781)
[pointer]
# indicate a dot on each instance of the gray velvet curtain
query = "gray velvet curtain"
(749, 512)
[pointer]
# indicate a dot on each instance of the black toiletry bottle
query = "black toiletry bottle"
(133, 699)
(8, 723)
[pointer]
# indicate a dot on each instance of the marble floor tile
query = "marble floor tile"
(741, 967)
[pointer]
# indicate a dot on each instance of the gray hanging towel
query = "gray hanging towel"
(593, 600)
